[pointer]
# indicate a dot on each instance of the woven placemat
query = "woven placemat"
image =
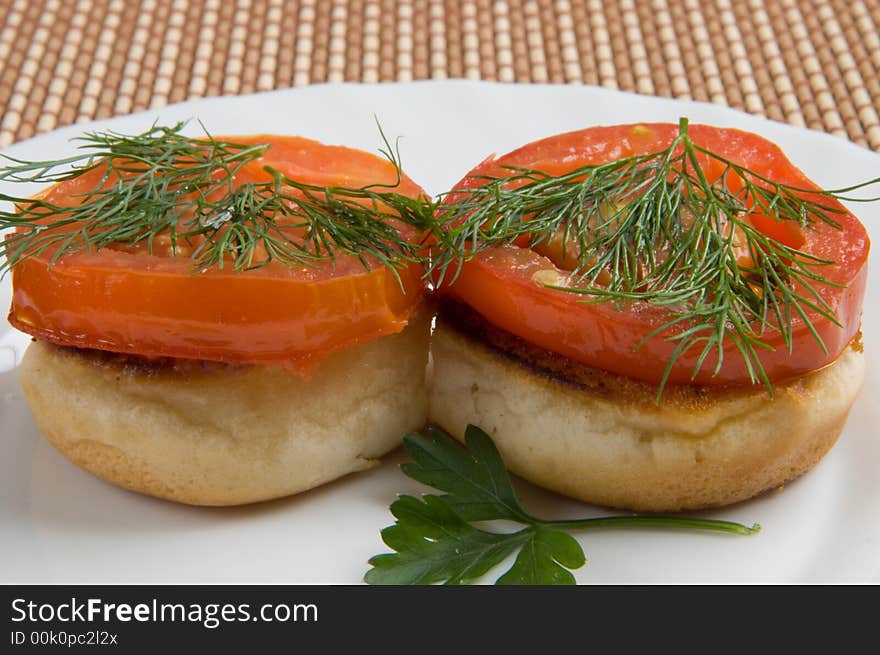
(811, 63)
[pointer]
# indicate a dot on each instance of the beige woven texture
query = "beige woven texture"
(810, 63)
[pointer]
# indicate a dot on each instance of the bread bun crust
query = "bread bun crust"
(603, 439)
(215, 434)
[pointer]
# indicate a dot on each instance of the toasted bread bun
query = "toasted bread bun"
(216, 434)
(603, 439)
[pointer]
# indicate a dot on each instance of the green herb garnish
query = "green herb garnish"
(645, 229)
(653, 229)
(161, 182)
(434, 538)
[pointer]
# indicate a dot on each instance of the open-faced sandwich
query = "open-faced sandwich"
(655, 317)
(219, 321)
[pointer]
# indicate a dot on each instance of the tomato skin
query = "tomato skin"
(498, 283)
(214, 316)
(157, 306)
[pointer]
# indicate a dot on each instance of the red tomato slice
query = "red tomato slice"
(498, 282)
(130, 301)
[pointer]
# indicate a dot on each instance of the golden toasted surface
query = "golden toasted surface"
(224, 435)
(570, 372)
(605, 440)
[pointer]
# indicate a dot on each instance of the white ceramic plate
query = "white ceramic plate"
(60, 525)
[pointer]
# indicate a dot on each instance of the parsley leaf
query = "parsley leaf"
(545, 559)
(434, 541)
(434, 544)
(478, 485)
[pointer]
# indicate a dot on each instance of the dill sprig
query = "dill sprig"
(649, 228)
(653, 229)
(162, 183)
(147, 184)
